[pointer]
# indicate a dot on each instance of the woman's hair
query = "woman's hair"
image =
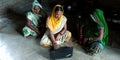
(58, 9)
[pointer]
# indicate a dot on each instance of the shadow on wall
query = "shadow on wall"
(18, 18)
(16, 12)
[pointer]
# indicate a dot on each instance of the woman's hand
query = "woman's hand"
(56, 46)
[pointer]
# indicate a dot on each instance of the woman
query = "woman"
(56, 29)
(31, 28)
(94, 32)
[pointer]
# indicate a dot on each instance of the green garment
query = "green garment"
(92, 25)
(33, 17)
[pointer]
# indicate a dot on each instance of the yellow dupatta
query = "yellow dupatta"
(51, 23)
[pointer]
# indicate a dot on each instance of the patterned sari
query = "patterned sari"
(95, 22)
(34, 19)
(55, 27)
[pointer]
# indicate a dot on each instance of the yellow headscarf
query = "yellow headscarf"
(53, 24)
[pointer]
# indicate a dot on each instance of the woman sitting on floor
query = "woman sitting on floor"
(33, 20)
(94, 32)
(56, 29)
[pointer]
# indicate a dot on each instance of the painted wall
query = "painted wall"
(19, 6)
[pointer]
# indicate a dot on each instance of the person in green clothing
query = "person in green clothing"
(94, 32)
(33, 20)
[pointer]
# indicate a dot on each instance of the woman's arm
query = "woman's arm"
(52, 38)
(100, 35)
(63, 30)
(81, 31)
(31, 27)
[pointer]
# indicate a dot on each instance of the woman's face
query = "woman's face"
(36, 9)
(58, 14)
